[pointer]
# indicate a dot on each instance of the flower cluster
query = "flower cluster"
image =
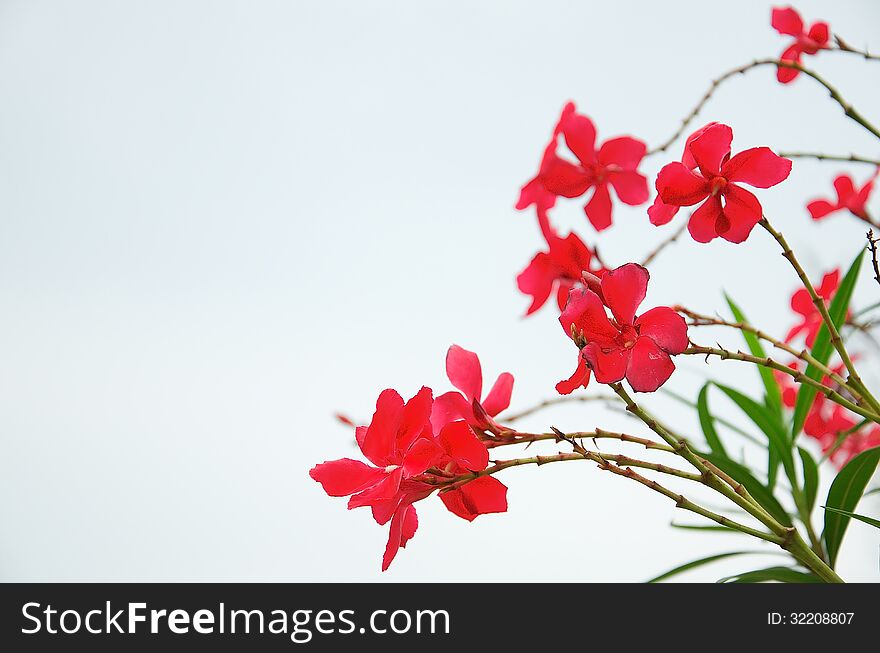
(788, 22)
(416, 447)
(849, 198)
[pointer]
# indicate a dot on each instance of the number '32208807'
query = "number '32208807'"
(809, 618)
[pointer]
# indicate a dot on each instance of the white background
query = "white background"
(221, 222)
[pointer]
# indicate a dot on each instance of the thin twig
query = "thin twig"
(843, 46)
(663, 245)
(847, 158)
(547, 403)
(872, 247)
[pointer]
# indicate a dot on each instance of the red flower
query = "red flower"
(848, 198)
(718, 176)
(559, 267)
(465, 373)
(802, 303)
(827, 422)
(614, 163)
(660, 213)
(638, 348)
(534, 193)
(788, 21)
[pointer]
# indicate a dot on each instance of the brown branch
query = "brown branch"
(664, 244)
(872, 247)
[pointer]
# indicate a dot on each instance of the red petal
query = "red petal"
(537, 280)
(424, 453)
(820, 208)
(679, 186)
(742, 212)
(660, 213)
(587, 313)
(498, 398)
(410, 525)
(580, 378)
(463, 446)
(624, 289)
(785, 75)
(382, 491)
(449, 407)
(477, 497)
(758, 167)
(631, 187)
(598, 209)
(415, 418)
(345, 476)
(649, 366)
(464, 372)
(828, 287)
(711, 147)
(379, 442)
(845, 188)
(787, 21)
(609, 365)
(686, 157)
(624, 151)
(702, 223)
(819, 32)
(802, 303)
(566, 179)
(665, 327)
(396, 535)
(580, 136)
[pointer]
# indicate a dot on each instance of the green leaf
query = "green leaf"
(778, 574)
(868, 520)
(770, 425)
(758, 490)
(699, 563)
(699, 527)
(822, 346)
(811, 478)
(870, 492)
(707, 422)
(772, 397)
(845, 492)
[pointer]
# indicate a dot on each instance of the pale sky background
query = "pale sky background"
(221, 222)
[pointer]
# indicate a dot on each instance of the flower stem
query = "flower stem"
(848, 158)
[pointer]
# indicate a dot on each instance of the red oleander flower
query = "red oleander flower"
(716, 177)
(848, 198)
(560, 267)
(615, 163)
(788, 21)
(827, 423)
(660, 213)
(802, 303)
(465, 373)
(637, 348)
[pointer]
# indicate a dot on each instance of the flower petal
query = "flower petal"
(845, 188)
(820, 208)
(624, 289)
(711, 147)
(580, 136)
(381, 437)
(381, 492)
(623, 151)
(564, 178)
(423, 453)
(665, 327)
(396, 537)
(449, 407)
(579, 379)
(742, 212)
(784, 74)
(679, 186)
(609, 365)
(757, 166)
(415, 418)
(631, 186)
(463, 446)
(819, 32)
(701, 226)
(660, 213)
(480, 496)
(345, 476)
(498, 398)
(786, 21)
(598, 209)
(649, 366)
(586, 312)
(464, 372)
(537, 280)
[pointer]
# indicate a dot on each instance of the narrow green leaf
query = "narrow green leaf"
(757, 489)
(778, 574)
(773, 396)
(718, 419)
(811, 478)
(707, 422)
(770, 425)
(868, 520)
(699, 563)
(698, 527)
(870, 492)
(845, 492)
(822, 346)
